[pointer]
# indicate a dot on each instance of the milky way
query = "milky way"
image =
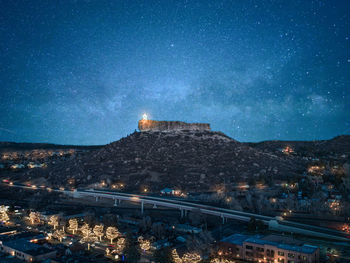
(84, 72)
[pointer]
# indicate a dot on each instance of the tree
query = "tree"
(254, 225)
(260, 225)
(131, 252)
(163, 255)
(53, 221)
(200, 243)
(132, 255)
(110, 219)
(145, 245)
(85, 229)
(98, 231)
(346, 178)
(251, 182)
(196, 216)
(175, 256)
(3, 209)
(158, 229)
(88, 235)
(221, 260)
(120, 245)
(73, 225)
(4, 217)
(191, 258)
(89, 219)
(59, 234)
(34, 217)
(112, 233)
(145, 223)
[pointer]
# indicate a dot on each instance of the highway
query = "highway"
(277, 224)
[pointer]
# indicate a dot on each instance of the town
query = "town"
(302, 219)
(149, 131)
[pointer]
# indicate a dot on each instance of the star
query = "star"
(87, 78)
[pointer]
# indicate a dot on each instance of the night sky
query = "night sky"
(84, 72)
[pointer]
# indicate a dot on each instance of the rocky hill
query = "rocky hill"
(192, 160)
(335, 147)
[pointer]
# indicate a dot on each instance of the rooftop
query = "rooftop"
(27, 247)
(6, 230)
(272, 240)
(236, 239)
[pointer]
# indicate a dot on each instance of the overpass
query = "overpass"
(274, 223)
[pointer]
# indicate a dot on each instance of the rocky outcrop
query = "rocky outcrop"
(151, 125)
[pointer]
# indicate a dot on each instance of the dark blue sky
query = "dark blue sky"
(83, 72)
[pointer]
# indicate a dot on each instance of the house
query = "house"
(17, 166)
(25, 250)
(32, 165)
(170, 191)
(166, 191)
(268, 249)
(9, 259)
(185, 228)
(181, 239)
(7, 230)
(160, 244)
(280, 183)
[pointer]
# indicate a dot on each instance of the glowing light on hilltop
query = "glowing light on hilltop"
(145, 117)
(288, 150)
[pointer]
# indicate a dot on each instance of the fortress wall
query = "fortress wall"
(150, 125)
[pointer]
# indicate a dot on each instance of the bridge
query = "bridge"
(274, 223)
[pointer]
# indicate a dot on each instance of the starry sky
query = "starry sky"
(84, 72)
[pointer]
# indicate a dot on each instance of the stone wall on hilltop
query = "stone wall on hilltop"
(151, 125)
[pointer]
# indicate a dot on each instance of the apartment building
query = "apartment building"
(269, 249)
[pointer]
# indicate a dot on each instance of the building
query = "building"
(32, 165)
(17, 166)
(151, 125)
(185, 228)
(7, 230)
(25, 250)
(170, 191)
(160, 244)
(269, 249)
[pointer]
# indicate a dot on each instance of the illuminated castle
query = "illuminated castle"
(150, 125)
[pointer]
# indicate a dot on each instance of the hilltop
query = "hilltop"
(195, 160)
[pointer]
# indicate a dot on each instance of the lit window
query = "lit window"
(291, 255)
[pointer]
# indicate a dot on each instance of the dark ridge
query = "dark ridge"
(13, 146)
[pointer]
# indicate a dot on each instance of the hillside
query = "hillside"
(192, 160)
(25, 146)
(339, 145)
